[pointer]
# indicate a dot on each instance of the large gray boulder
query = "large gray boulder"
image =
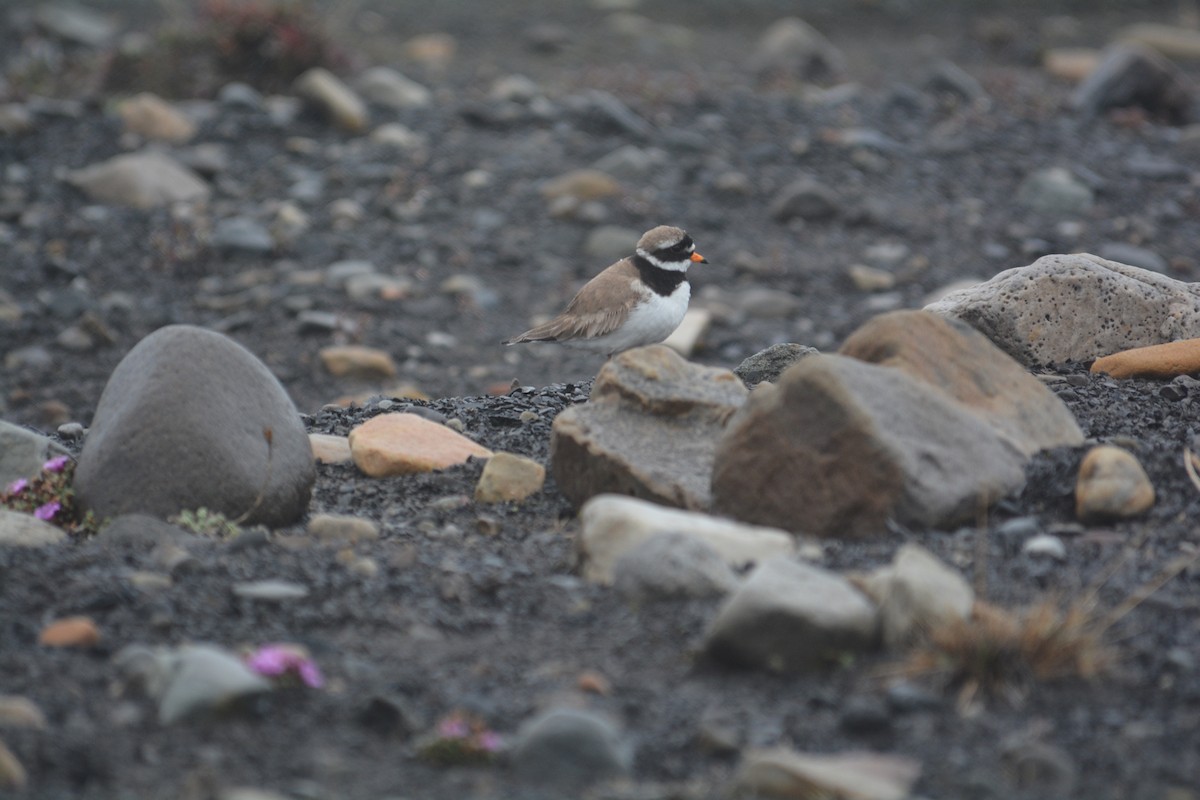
(191, 419)
(1076, 308)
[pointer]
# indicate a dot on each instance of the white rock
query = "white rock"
(1076, 307)
(326, 91)
(789, 616)
(691, 329)
(200, 677)
(1045, 546)
(614, 524)
(139, 180)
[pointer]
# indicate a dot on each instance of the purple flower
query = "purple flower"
(46, 512)
(489, 741)
(18, 486)
(57, 464)
(275, 660)
(453, 727)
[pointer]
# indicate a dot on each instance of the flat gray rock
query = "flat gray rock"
(23, 452)
(26, 530)
(139, 180)
(672, 565)
(183, 424)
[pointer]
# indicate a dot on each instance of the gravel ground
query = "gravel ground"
(481, 608)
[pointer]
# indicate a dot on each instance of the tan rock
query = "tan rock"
(12, 774)
(650, 429)
(356, 361)
(70, 632)
(1173, 41)
(783, 773)
(21, 712)
(959, 361)
(150, 116)
(330, 449)
(342, 528)
(1157, 361)
(581, 184)
(1111, 485)
(326, 91)
(1071, 63)
(509, 478)
(403, 444)
(432, 49)
(139, 180)
(870, 279)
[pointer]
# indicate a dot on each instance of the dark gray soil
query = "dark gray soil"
(481, 608)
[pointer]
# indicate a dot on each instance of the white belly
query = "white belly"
(650, 322)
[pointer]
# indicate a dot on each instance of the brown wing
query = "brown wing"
(597, 309)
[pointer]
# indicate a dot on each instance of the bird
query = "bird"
(639, 300)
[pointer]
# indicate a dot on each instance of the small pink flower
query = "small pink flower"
(453, 727)
(275, 660)
(46, 512)
(489, 741)
(56, 464)
(18, 486)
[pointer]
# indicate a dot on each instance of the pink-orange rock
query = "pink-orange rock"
(70, 632)
(1157, 361)
(403, 444)
(355, 361)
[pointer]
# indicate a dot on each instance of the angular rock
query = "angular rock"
(403, 444)
(767, 365)
(356, 361)
(508, 477)
(337, 100)
(1111, 485)
(1076, 308)
(570, 748)
(915, 594)
(791, 49)
(387, 87)
(650, 429)
(139, 180)
(838, 446)
(1162, 361)
(150, 116)
(23, 452)
(961, 362)
(342, 528)
(190, 419)
(672, 565)
(785, 773)
(26, 530)
(1133, 75)
(614, 525)
(789, 616)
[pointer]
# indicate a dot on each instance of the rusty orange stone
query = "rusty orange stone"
(70, 632)
(1157, 361)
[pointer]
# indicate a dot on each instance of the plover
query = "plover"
(639, 300)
